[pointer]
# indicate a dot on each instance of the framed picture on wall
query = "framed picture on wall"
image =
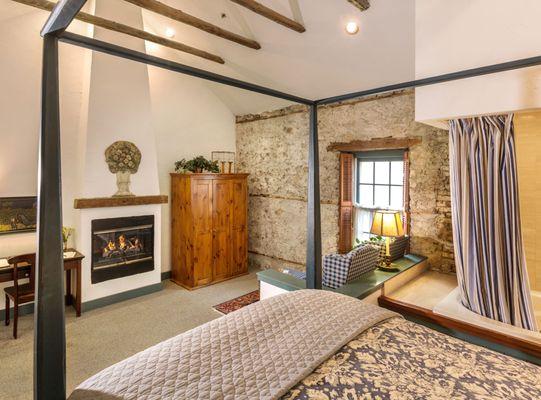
(18, 214)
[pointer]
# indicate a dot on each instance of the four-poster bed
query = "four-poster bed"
(49, 374)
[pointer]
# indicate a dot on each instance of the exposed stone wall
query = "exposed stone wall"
(272, 147)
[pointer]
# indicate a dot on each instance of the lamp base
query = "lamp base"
(387, 266)
(388, 269)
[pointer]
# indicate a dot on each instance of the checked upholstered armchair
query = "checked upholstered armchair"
(339, 269)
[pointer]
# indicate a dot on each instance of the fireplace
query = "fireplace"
(122, 247)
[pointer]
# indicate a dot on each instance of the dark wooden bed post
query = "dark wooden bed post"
(50, 340)
(50, 334)
(313, 237)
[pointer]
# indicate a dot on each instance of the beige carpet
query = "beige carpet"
(426, 290)
(107, 335)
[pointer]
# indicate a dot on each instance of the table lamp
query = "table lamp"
(387, 224)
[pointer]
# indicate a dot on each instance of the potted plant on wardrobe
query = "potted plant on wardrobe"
(196, 165)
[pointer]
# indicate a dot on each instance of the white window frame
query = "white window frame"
(375, 156)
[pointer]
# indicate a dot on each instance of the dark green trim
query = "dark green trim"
(360, 288)
(281, 280)
(28, 308)
(166, 275)
(24, 309)
(117, 298)
(476, 340)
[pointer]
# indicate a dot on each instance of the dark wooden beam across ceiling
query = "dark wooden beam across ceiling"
(180, 16)
(361, 4)
(128, 30)
(386, 143)
(269, 13)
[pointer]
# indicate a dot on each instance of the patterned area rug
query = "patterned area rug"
(238, 302)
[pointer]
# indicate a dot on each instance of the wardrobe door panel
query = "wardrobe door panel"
(239, 252)
(202, 231)
(221, 229)
(202, 258)
(181, 252)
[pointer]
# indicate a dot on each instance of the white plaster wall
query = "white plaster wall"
(189, 120)
(462, 34)
(20, 83)
(20, 80)
(119, 109)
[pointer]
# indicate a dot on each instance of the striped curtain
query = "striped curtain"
(490, 262)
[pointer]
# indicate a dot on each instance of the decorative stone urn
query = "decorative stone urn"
(123, 159)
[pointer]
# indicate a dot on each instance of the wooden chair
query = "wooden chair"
(20, 294)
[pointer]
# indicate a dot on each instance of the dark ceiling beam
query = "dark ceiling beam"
(108, 48)
(269, 13)
(128, 30)
(180, 16)
(362, 5)
(64, 12)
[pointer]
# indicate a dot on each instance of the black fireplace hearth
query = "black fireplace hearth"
(122, 247)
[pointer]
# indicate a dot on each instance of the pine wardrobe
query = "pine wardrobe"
(209, 237)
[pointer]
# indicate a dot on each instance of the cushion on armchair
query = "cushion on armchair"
(364, 260)
(397, 248)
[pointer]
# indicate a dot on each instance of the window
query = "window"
(379, 184)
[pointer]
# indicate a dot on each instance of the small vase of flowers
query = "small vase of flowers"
(66, 233)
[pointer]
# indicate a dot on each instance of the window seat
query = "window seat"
(367, 287)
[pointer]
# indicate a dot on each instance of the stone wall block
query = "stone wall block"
(272, 147)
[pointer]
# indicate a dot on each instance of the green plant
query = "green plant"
(373, 240)
(197, 164)
(376, 239)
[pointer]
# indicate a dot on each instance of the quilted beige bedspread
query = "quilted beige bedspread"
(258, 352)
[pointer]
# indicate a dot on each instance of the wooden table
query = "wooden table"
(70, 264)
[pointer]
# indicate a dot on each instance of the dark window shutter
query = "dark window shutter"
(345, 219)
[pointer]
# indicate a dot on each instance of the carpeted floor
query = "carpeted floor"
(107, 335)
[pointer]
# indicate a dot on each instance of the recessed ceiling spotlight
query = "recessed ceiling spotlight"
(170, 33)
(352, 28)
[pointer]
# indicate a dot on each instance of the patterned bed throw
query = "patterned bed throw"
(400, 360)
(258, 352)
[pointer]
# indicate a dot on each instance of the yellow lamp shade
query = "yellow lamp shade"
(387, 223)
